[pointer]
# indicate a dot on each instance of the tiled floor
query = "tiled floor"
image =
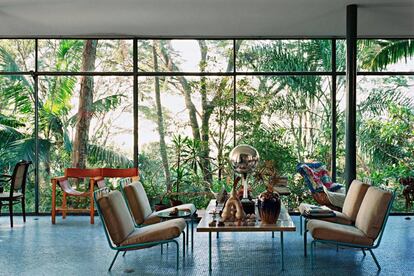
(74, 247)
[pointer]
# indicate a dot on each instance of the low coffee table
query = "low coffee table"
(186, 215)
(283, 224)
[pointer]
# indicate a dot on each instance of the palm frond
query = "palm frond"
(9, 64)
(381, 53)
(10, 121)
(103, 156)
(9, 134)
(101, 106)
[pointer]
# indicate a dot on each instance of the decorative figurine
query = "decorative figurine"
(233, 209)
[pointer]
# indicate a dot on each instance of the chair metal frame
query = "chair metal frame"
(13, 200)
(130, 247)
(376, 243)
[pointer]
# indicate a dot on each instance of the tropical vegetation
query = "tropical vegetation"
(192, 110)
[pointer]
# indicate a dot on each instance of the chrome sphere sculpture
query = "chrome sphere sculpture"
(244, 159)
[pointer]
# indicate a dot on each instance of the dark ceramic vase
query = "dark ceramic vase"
(268, 204)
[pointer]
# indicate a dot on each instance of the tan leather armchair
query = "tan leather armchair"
(369, 225)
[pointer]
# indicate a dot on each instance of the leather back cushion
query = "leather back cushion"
(138, 201)
(372, 212)
(116, 216)
(353, 199)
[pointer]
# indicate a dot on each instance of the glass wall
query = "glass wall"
(195, 101)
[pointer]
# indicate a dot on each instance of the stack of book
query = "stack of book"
(318, 211)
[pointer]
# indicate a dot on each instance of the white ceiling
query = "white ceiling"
(203, 18)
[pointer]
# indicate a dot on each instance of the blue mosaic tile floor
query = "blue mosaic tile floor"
(74, 247)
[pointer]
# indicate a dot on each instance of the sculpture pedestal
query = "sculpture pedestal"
(248, 206)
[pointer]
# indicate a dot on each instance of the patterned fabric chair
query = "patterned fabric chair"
(369, 225)
(120, 231)
(17, 188)
(316, 179)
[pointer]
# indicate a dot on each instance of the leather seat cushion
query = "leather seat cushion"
(323, 230)
(157, 232)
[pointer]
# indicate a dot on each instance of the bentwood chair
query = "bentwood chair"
(369, 225)
(121, 233)
(17, 190)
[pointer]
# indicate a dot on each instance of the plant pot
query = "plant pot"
(268, 204)
(175, 202)
(160, 207)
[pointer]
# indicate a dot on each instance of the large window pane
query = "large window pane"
(106, 121)
(17, 137)
(287, 119)
(284, 55)
(385, 126)
(185, 134)
(186, 55)
(388, 55)
(17, 55)
(65, 55)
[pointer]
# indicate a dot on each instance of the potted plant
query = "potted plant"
(161, 205)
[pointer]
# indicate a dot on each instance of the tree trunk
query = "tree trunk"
(160, 122)
(207, 110)
(80, 144)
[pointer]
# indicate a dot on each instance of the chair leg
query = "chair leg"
(184, 243)
(53, 201)
(123, 255)
(64, 205)
(375, 259)
(11, 213)
(178, 253)
(92, 210)
(312, 253)
(363, 252)
(24, 209)
(113, 261)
